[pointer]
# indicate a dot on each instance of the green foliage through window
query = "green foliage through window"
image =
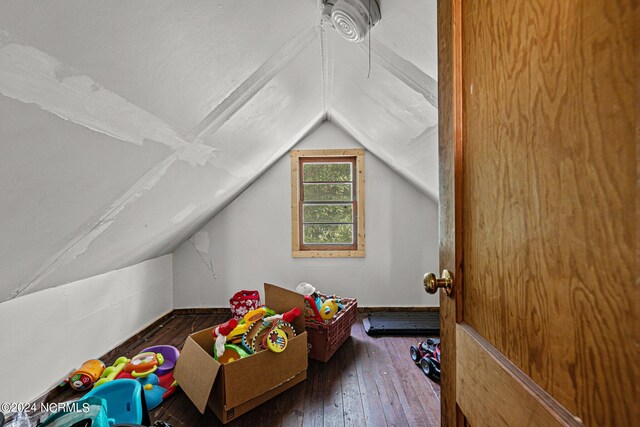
(318, 213)
(326, 233)
(327, 172)
(328, 192)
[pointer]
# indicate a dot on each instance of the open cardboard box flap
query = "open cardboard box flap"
(196, 377)
(244, 379)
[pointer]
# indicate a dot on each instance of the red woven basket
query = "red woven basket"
(325, 338)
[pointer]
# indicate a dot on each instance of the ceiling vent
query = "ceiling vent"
(352, 19)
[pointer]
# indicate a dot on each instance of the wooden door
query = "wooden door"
(539, 201)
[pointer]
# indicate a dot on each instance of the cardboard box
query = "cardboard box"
(235, 388)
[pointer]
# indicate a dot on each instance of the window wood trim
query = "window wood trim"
(358, 180)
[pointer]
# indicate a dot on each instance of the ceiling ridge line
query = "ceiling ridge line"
(323, 64)
(254, 83)
(327, 73)
(404, 70)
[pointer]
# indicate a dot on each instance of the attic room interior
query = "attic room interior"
(319, 212)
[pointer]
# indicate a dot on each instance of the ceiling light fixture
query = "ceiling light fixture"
(352, 19)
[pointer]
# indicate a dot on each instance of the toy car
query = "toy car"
(427, 355)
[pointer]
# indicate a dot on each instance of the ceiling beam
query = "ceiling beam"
(343, 123)
(189, 147)
(32, 76)
(404, 70)
(252, 85)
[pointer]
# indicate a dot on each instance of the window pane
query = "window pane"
(327, 213)
(326, 172)
(328, 234)
(328, 192)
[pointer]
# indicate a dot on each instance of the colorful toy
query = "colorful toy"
(220, 333)
(249, 318)
(288, 317)
(231, 352)
(144, 368)
(124, 401)
(144, 364)
(156, 388)
(110, 373)
(277, 340)
(247, 338)
(83, 378)
(329, 309)
(259, 338)
(274, 332)
(311, 309)
(170, 354)
(427, 355)
(242, 302)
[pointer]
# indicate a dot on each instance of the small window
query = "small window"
(327, 203)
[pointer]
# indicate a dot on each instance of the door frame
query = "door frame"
(450, 176)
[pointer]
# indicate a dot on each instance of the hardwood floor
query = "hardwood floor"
(368, 382)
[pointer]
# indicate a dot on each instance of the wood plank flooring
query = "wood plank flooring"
(368, 382)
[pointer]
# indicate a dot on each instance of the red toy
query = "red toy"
(288, 317)
(427, 355)
(224, 329)
(311, 309)
(243, 302)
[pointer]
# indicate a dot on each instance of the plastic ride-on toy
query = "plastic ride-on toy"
(427, 355)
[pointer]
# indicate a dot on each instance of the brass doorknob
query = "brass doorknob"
(432, 283)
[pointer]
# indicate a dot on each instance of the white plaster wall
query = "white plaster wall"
(46, 334)
(249, 242)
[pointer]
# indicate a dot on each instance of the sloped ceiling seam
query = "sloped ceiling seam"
(404, 70)
(195, 152)
(85, 238)
(198, 225)
(31, 76)
(344, 123)
(250, 87)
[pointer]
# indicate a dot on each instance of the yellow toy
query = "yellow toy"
(277, 340)
(110, 373)
(329, 309)
(249, 319)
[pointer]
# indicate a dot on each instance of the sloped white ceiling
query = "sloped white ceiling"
(126, 125)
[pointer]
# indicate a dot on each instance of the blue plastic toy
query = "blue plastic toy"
(125, 401)
(90, 411)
